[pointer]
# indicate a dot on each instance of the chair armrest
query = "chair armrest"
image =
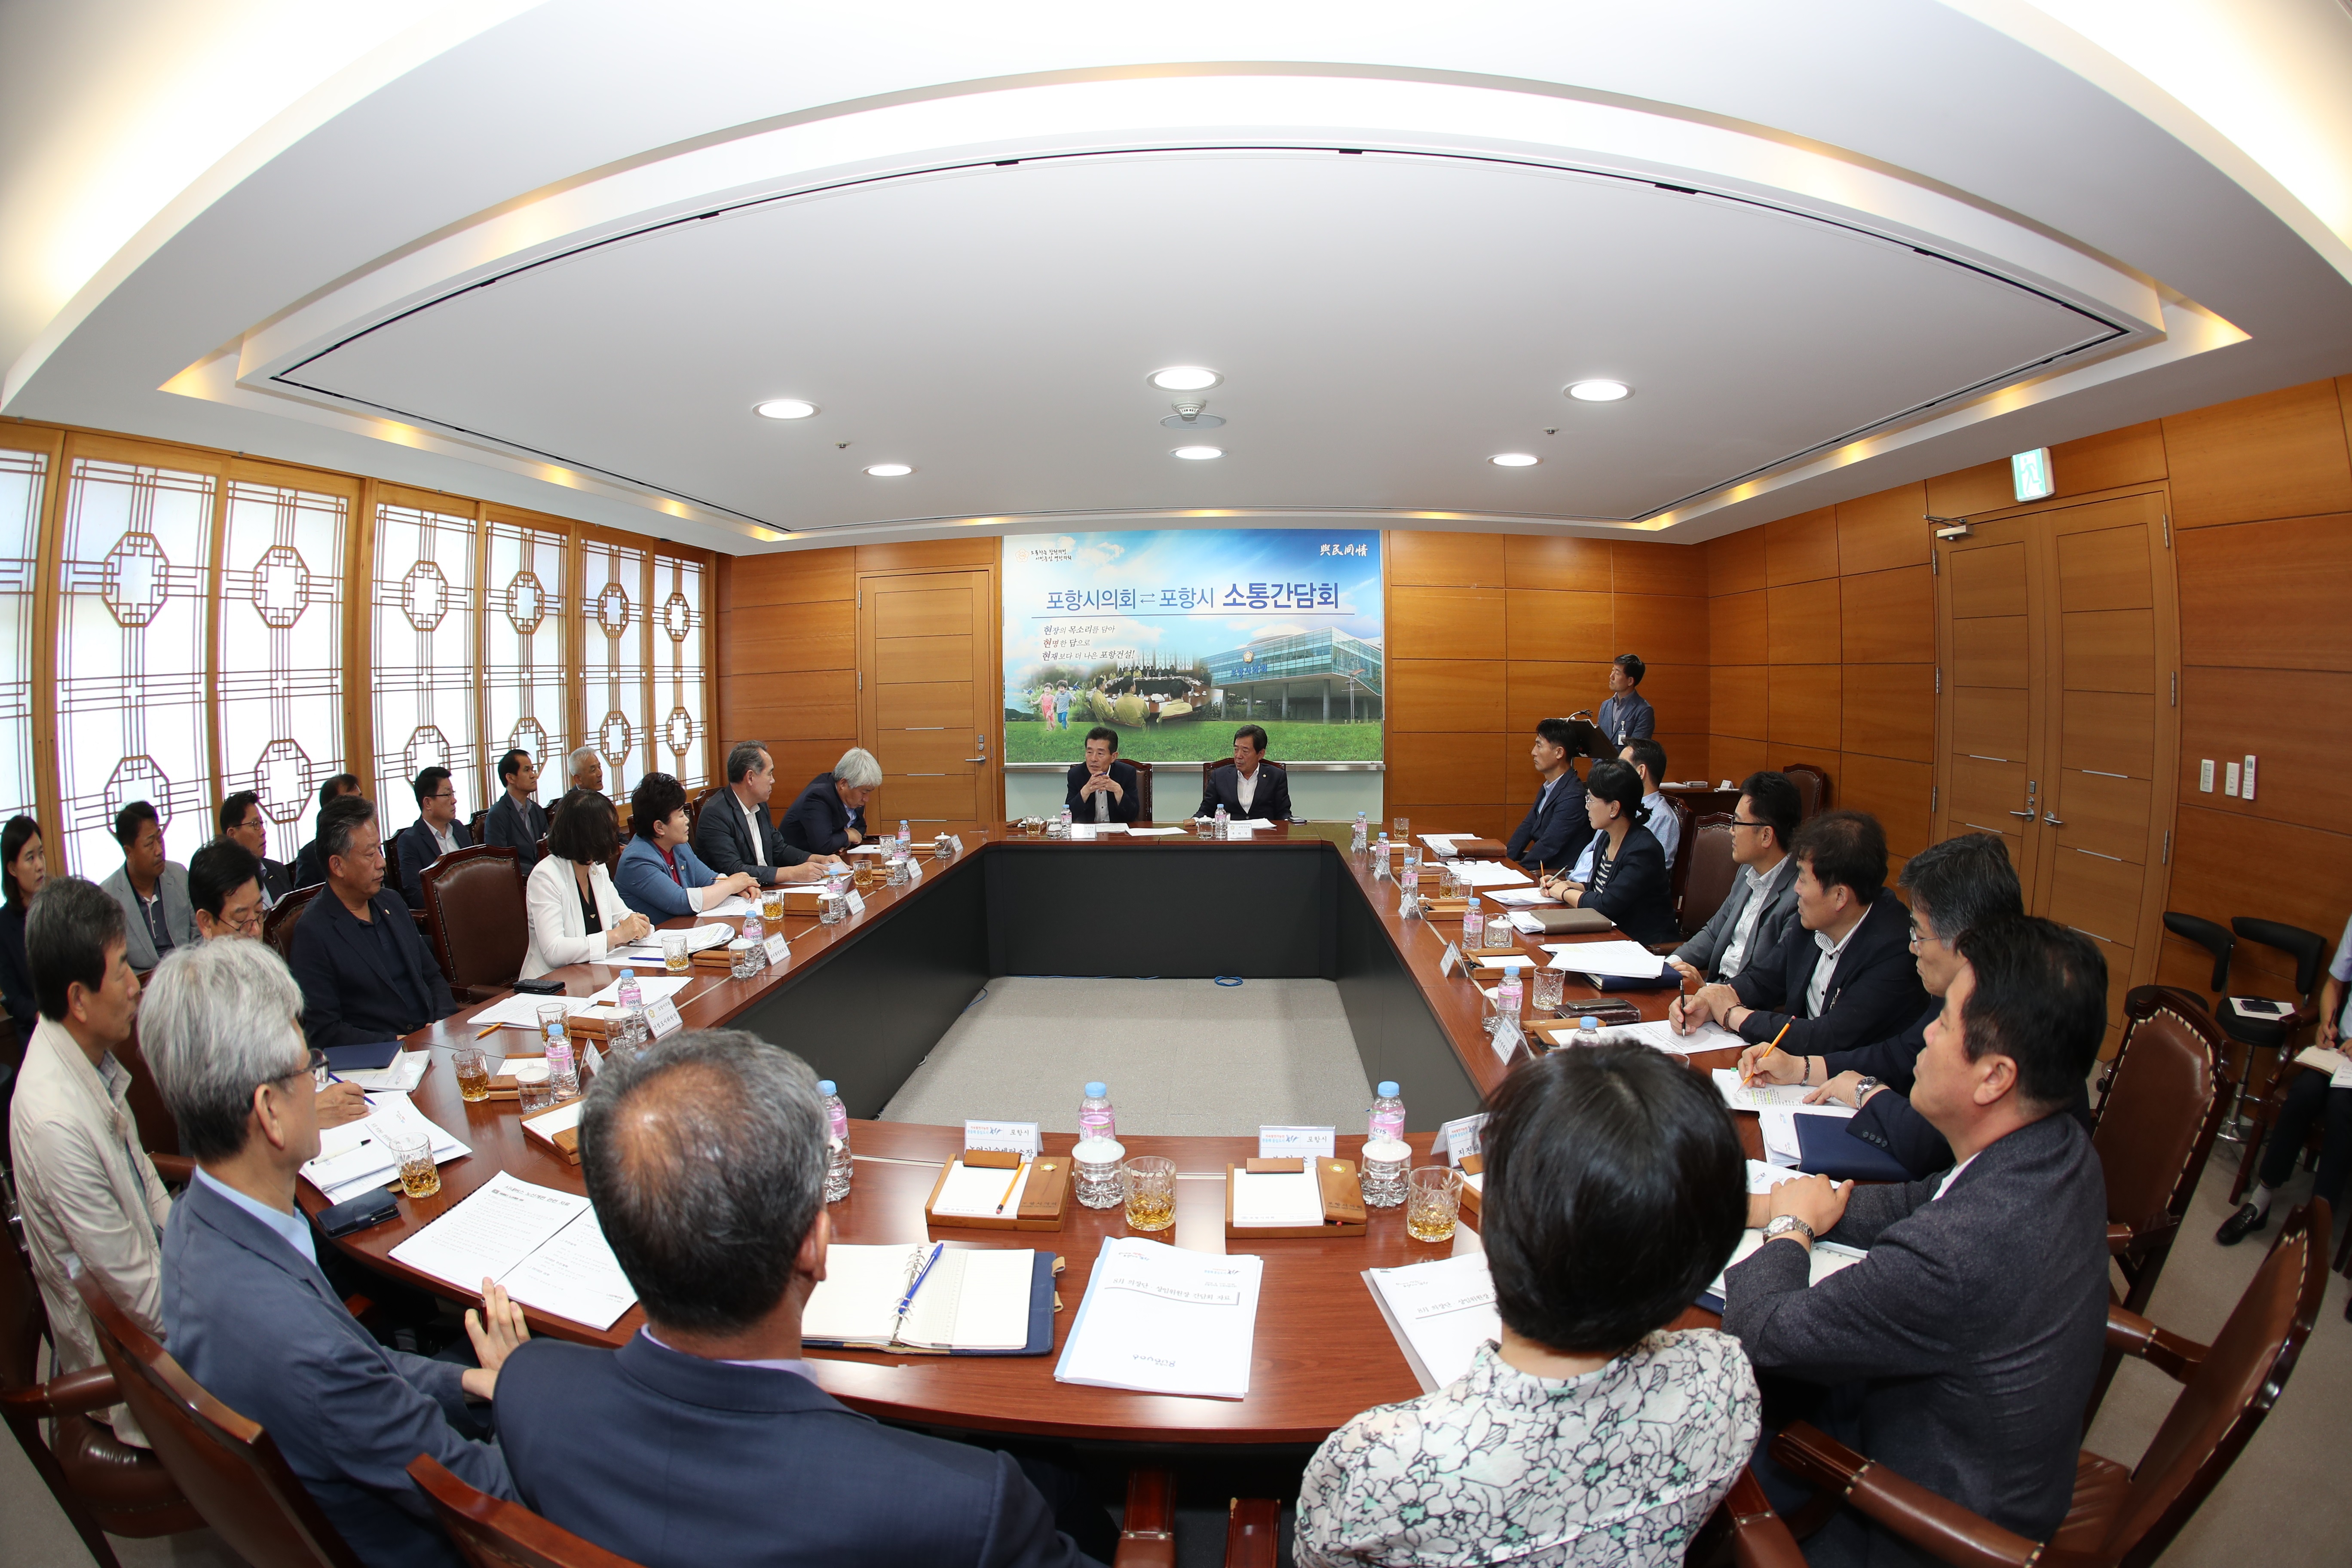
(75, 1394)
(1958, 1535)
(2119, 1239)
(1253, 1532)
(2175, 1355)
(1147, 1537)
(2127, 1238)
(1759, 1538)
(178, 1170)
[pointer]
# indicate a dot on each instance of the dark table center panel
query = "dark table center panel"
(1171, 909)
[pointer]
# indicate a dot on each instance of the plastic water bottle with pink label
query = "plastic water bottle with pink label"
(1386, 1155)
(837, 1128)
(1096, 1157)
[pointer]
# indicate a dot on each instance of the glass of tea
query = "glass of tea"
(473, 1072)
(413, 1146)
(1433, 1202)
(1150, 1182)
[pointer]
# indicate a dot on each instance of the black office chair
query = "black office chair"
(2255, 1031)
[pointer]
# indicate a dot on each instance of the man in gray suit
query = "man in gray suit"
(1762, 907)
(246, 1310)
(153, 891)
(1960, 1351)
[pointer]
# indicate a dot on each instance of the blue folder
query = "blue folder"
(1826, 1148)
(1041, 1317)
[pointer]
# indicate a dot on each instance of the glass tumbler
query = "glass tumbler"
(1094, 1163)
(1548, 984)
(1151, 1183)
(1433, 1202)
(1401, 829)
(473, 1072)
(674, 955)
(412, 1147)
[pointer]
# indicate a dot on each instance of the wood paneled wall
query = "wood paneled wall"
(1488, 633)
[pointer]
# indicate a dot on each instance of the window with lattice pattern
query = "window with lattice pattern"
(425, 677)
(680, 744)
(523, 626)
(24, 487)
(613, 630)
(280, 685)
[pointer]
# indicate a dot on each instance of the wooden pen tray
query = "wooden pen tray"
(1044, 1201)
(1343, 1200)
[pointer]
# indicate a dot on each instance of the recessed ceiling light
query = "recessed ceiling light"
(1598, 391)
(1199, 454)
(785, 408)
(1185, 378)
(1515, 460)
(891, 471)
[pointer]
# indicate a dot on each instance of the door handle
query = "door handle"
(2052, 818)
(2027, 815)
(978, 759)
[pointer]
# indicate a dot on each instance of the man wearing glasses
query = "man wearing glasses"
(225, 885)
(1751, 923)
(436, 832)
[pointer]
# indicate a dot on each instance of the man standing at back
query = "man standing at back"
(1960, 1350)
(705, 1158)
(1627, 715)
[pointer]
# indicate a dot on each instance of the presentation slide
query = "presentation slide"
(1176, 638)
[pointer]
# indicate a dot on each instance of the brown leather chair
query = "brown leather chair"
(101, 1483)
(1813, 787)
(1147, 1533)
(2120, 1517)
(226, 1466)
(1253, 1532)
(1706, 873)
(1743, 1530)
(277, 925)
(694, 808)
(477, 920)
(159, 1133)
(473, 826)
(1142, 790)
(492, 1532)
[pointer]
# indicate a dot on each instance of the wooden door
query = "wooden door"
(926, 698)
(2059, 633)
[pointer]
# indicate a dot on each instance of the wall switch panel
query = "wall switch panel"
(2246, 779)
(2229, 780)
(2205, 776)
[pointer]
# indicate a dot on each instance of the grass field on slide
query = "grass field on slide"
(1196, 740)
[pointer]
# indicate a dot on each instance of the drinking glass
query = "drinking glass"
(1151, 1192)
(674, 957)
(1547, 991)
(473, 1072)
(1433, 1202)
(771, 905)
(1401, 830)
(863, 873)
(1098, 1184)
(534, 1093)
(552, 1017)
(412, 1147)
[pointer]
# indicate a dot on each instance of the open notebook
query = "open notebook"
(1829, 1257)
(972, 1301)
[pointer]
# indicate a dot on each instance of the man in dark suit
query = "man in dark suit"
(246, 1310)
(436, 832)
(706, 1161)
(1959, 1352)
(733, 833)
(1102, 788)
(310, 865)
(1855, 982)
(1751, 924)
(1252, 787)
(517, 822)
(365, 972)
(830, 815)
(1556, 828)
(242, 823)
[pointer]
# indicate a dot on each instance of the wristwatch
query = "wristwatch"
(1787, 1224)
(1861, 1090)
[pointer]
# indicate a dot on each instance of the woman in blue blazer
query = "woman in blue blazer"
(660, 876)
(1629, 867)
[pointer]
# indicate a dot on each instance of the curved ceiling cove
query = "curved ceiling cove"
(1383, 322)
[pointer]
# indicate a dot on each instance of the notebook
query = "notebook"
(973, 1300)
(1829, 1257)
(1826, 1146)
(1440, 1312)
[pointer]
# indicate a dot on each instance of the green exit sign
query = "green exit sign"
(2030, 473)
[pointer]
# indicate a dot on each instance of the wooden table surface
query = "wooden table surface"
(1322, 1352)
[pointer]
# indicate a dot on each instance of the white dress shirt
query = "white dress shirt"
(753, 823)
(1818, 991)
(445, 837)
(1743, 931)
(559, 932)
(1245, 786)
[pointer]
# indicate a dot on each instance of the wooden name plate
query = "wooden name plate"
(1044, 1193)
(557, 1129)
(1342, 1193)
(1474, 1173)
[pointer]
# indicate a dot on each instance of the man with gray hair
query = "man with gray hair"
(584, 770)
(733, 833)
(706, 1159)
(830, 815)
(246, 1310)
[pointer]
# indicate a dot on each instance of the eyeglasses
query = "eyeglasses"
(1736, 822)
(249, 924)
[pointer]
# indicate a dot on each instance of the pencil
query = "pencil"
(494, 1028)
(1769, 1051)
(1011, 1184)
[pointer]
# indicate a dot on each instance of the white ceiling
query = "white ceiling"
(554, 261)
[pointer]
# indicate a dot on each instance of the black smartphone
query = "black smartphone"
(367, 1209)
(540, 987)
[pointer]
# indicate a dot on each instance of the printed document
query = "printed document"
(1617, 957)
(1522, 898)
(1829, 1257)
(2332, 1062)
(972, 1298)
(543, 1245)
(357, 1156)
(1294, 1198)
(1441, 1313)
(1160, 1320)
(405, 1073)
(1491, 874)
(977, 1191)
(653, 987)
(1757, 1095)
(1659, 1034)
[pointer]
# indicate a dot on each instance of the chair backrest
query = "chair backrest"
(492, 1532)
(1678, 874)
(476, 916)
(1707, 870)
(2161, 1102)
(277, 925)
(2213, 938)
(159, 1131)
(1813, 787)
(473, 826)
(224, 1464)
(1142, 791)
(694, 808)
(2232, 1388)
(2307, 948)
(24, 1320)
(1759, 1537)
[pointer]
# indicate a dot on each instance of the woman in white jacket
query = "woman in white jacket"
(576, 914)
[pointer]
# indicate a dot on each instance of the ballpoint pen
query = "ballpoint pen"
(1015, 1182)
(908, 1300)
(1750, 1076)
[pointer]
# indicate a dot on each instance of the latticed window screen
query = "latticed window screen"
(612, 662)
(677, 669)
(135, 575)
(425, 674)
(523, 675)
(24, 481)
(280, 685)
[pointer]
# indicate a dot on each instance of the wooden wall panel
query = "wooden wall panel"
(1455, 694)
(1889, 710)
(1970, 492)
(1801, 624)
(2225, 864)
(2131, 455)
(1548, 561)
(1804, 707)
(1734, 563)
(1736, 628)
(2281, 454)
(1680, 694)
(1549, 689)
(1894, 792)
(1541, 624)
(2303, 774)
(798, 578)
(1447, 769)
(1736, 704)
(1662, 630)
(2267, 595)
(807, 637)
(1637, 568)
(1445, 623)
(927, 554)
(1734, 758)
(1889, 617)
(1801, 549)
(1879, 532)
(1446, 560)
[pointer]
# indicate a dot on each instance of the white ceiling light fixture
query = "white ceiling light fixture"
(1185, 378)
(1515, 460)
(1598, 391)
(891, 471)
(785, 408)
(1198, 454)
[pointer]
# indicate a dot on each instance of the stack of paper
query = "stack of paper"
(981, 1192)
(543, 1245)
(1522, 898)
(1756, 1096)
(1659, 1034)
(1443, 843)
(1616, 958)
(520, 1009)
(1490, 874)
(1152, 832)
(652, 987)
(1160, 1320)
(1829, 1257)
(1441, 1313)
(1290, 1198)
(968, 1298)
(357, 1156)
(406, 1071)
(2333, 1062)
(1778, 1124)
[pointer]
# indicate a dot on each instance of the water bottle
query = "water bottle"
(750, 959)
(836, 1127)
(1588, 1032)
(1474, 926)
(1381, 857)
(1385, 1153)
(632, 1029)
(1224, 823)
(1360, 840)
(1096, 1118)
(906, 835)
(562, 1071)
(1507, 995)
(1064, 830)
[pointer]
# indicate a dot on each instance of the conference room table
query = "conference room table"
(865, 999)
